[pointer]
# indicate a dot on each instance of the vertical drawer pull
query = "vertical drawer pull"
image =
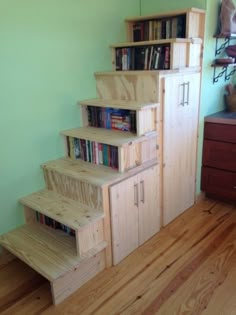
(136, 195)
(142, 199)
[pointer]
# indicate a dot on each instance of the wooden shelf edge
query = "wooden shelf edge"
(62, 209)
(124, 104)
(157, 42)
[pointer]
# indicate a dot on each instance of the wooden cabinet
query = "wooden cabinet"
(180, 129)
(135, 212)
(219, 156)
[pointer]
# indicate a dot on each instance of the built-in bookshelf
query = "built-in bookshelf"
(112, 118)
(92, 151)
(147, 57)
(161, 28)
(119, 150)
(163, 54)
(46, 220)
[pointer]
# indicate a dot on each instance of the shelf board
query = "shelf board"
(220, 65)
(163, 15)
(122, 104)
(64, 210)
(97, 175)
(107, 136)
(50, 252)
(157, 42)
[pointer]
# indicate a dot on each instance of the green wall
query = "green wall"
(211, 94)
(49, 52)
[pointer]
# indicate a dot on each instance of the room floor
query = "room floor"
(187, 268)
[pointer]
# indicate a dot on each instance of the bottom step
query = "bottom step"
(52, 254)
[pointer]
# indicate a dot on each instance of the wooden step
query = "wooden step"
(64, 210)
(158, 42)
(107, 136)
(121, 104)
(49, 252)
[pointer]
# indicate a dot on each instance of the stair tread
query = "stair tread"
(107, 136)
(62, 209)
(97, 175)
(50, 252)
(122, 104)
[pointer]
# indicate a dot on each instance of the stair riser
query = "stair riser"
(70, 282)
(75, 189)
(128, 87)
(89, 237)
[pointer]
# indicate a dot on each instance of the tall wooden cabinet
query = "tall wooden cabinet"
(130, 168)
(180, 130)
(135, 214)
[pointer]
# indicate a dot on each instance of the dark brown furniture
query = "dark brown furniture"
(219, 156)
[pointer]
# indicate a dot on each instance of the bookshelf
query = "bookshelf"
(130, 168)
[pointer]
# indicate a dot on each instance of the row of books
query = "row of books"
(43, 219)
(152, 57)
(112, 118)
(93, 152)
(160, 29)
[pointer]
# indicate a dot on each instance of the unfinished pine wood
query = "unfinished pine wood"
(116, 103)
(62, 209)
(195, 21)
(188, 267)
(50, 252)
(180, 129)
(146, 114)
(135, 212)
(64, 286)
(128, 85)
(102, 135)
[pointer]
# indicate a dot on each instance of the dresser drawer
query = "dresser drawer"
(220, 132)
(218, 183)
(219, 155)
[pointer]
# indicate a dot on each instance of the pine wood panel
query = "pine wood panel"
(62, 209)
(101, 135)
(131, 85)
(180, 130)
(114, 103)
(50, 252)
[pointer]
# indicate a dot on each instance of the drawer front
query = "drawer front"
(219, 155)
(218, 183)
(220, 132)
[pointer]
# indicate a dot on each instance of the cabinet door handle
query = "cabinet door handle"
(187, 84)
(142, 199)
(136, 195)
(183, 95)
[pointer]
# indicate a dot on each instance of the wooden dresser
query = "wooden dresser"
(219, 156)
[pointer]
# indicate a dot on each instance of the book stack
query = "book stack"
(93, 152)
(165, 28)
(112, 118)
(43, 219)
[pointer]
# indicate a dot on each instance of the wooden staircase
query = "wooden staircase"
(65, 261)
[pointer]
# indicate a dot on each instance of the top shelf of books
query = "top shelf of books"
(187, 23)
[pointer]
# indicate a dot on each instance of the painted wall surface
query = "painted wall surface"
(211, 94)
(49, 50)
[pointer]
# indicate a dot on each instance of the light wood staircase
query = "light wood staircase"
(66, 261)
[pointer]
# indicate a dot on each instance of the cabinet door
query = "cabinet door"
(180, 128)
(124, 200)
(149, 203)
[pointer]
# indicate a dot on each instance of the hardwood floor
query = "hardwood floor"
(187, 268)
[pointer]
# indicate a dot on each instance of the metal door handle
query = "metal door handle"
(136, 195)
(142, 199)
